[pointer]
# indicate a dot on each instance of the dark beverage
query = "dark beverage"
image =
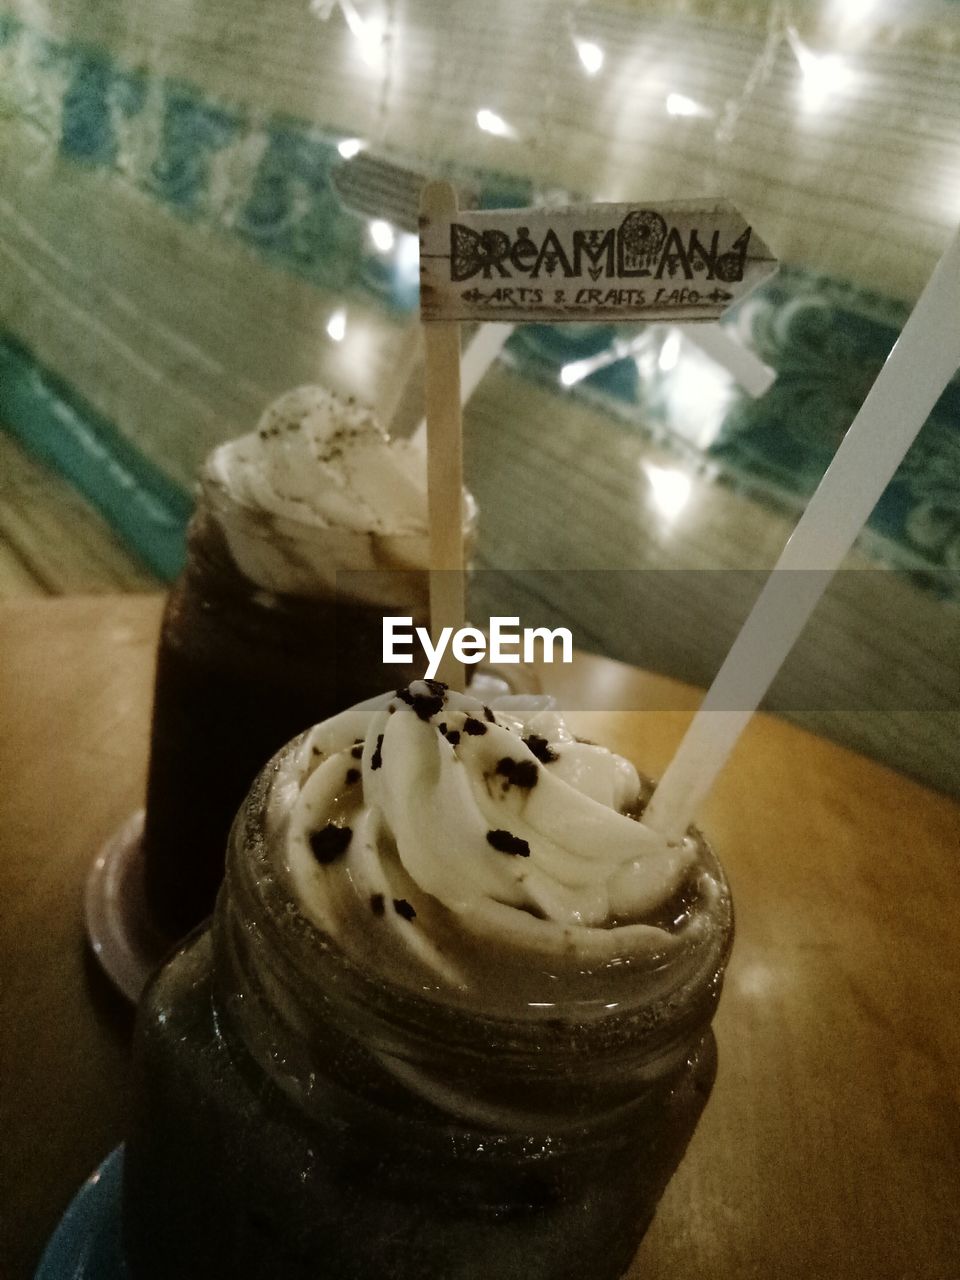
(239, 672)
(306, 534)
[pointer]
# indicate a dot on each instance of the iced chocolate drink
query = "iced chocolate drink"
(451, 1021)
(306, 533)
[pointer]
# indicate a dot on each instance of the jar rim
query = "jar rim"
(261, 882)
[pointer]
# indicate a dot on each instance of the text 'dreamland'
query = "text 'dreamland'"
(686, 261)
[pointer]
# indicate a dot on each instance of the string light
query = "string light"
(574, 372)
(669, 352)
(337, 325)
(382, 235)
(678, 104)
(669, 488)
(351, 147)
(368, 32)
(822, 74)
(591, 55)
(490, 122)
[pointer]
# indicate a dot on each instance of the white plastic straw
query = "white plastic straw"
(922, 362)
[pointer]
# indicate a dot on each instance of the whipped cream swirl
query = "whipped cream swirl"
(464, 847)
(319, 488)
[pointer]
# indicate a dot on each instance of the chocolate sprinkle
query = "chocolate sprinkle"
(330, 843)
(474, 727)
(376, 760)
(377, 905)
(353, 775)
(452, 736)
(519, 773)
(403, 908)
(425, 705)
(506, 842)
(357, 751)
(541, 748)
(489, 715)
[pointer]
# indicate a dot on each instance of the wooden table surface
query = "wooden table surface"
(831, 1146)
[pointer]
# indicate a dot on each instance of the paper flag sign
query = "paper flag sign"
(684, 261)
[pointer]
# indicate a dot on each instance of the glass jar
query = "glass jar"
(298, 1115)
(241, 669)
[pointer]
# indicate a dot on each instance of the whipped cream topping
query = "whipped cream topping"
(319, 488)
(480, 849)
(326, 462)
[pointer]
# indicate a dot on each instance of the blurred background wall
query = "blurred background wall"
(203, 203)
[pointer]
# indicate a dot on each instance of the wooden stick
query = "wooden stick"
(444, 461)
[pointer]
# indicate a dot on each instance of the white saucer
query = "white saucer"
(119, 928)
